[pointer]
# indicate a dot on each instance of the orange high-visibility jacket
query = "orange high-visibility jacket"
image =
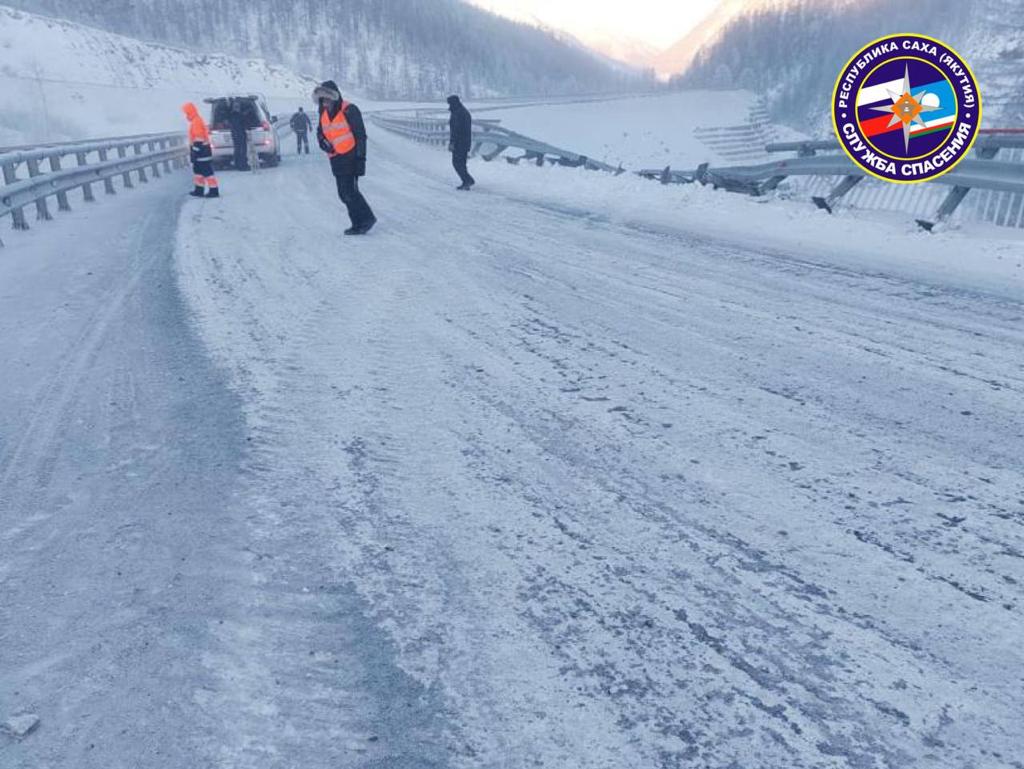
(338, 132)
(197, 130)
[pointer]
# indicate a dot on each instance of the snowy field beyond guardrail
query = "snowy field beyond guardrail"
(638, 132)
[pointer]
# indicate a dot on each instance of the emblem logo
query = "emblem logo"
(906, 108)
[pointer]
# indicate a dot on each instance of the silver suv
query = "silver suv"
(258, 120)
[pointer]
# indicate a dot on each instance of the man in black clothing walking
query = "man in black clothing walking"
(301, 126)
(342, 135)
(461, 125)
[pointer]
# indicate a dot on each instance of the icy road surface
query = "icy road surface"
(505, 485)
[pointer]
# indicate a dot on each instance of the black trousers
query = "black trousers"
(203, 168)
(459, 160)
(302, 138)
(358, 209)
(241, 142)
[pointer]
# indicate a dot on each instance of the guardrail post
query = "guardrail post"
(955, 197)
(164, 144)
(108, 183)
(142, 171)
(42, 210)
(769, 185)
(847, 184)
(62, 197)
(87, 187)
(949, 205)
(156, 166)
(122, 152)
(537, 157)
(497, 151)
(18, 214)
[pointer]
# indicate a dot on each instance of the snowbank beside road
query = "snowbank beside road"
(972, 257)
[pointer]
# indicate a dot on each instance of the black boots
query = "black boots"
(197, 192)
(213, 193)
(362, 229)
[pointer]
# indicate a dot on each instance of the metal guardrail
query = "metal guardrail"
(980, 172)
(26, 182)
(490, 140)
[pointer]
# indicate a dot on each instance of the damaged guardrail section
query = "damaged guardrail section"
(983, 171)
(490, 140)
(34, 175)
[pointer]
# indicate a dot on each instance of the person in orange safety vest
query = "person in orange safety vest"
(342, 135)
(201, 153)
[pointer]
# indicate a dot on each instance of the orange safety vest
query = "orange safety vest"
(337, 131)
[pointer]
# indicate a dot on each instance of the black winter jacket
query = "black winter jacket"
(351, 163)
(461, 128)
(300, 123)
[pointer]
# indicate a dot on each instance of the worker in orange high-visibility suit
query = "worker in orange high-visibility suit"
(201, 152)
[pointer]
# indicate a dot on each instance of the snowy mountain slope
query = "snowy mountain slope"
(792, 51)
(995, 44)
(67, 81)
(387, 48)
(677, 57)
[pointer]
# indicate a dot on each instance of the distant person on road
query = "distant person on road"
(240, 126)
(461, 125)
(201, 153)
(342, 135)
(301, 126)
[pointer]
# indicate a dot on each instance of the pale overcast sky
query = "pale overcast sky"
(656, 22)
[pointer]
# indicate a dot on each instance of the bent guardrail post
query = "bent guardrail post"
(956, 195)
(828, 202)
(772, 183)
(498, 149)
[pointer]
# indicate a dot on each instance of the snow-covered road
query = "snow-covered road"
(508, 484)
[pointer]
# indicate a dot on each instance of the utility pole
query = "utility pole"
(42, 98)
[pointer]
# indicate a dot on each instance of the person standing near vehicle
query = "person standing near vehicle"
(342, 135)
(201, 153)
(461, 125)
(301, 126)
(239, 135)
